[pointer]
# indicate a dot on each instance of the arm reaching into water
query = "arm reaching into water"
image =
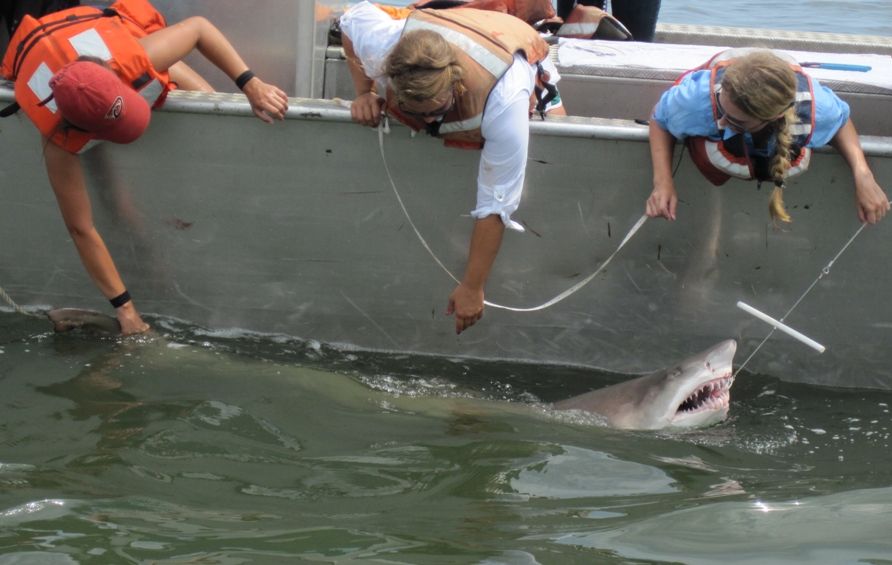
(67, 179)
(466, 301)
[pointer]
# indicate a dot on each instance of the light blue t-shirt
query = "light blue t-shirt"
(685, 110)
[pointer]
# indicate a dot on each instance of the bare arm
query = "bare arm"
(67, 179)
(872, 202)
(168, 46)
(366, 108)
(664, 199)
(466, 301)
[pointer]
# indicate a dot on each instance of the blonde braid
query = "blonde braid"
(780, 165)
(764, 86)
(422, 66)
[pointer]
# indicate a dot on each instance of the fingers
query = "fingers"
(366, 109)
(872, 215)
(464, 322)
(873, 212)
(652, 208)
(657, 207)
(263, 115)
(274, 102)
(464, 319)
(365, 115)
(130, 321)
(267, 101)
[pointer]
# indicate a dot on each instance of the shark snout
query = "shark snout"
(720, 358)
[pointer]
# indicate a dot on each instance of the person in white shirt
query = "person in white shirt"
(429, 71)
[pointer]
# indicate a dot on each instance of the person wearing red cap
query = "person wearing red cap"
(110, 98)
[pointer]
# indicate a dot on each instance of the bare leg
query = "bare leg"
(187, 79)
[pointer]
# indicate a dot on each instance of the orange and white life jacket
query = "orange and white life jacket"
(485, 42)
(40, 47)
(530, 11)
(590, 22)
(718, 160)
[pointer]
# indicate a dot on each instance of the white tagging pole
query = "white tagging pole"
(781, 326)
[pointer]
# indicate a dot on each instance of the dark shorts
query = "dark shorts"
(12, 11)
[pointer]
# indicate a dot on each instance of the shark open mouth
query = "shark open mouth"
(713, 395)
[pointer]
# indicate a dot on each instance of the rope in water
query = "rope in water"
(12, 303)
(383, 128)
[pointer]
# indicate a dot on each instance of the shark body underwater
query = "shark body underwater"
(690, 394)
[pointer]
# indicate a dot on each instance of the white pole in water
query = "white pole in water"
(781, 326)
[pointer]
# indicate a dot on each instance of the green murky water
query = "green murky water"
(200, 448)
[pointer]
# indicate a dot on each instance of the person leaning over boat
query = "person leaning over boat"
(418, 69)
(751, 114)
(639, 16)
(83, 75)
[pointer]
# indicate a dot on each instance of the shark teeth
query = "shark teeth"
(713, 395)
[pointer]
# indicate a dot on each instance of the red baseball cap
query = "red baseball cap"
(94, 99)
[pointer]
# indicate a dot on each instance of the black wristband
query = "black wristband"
(243, 79)
(120, 299)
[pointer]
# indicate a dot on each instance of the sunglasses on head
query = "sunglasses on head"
(733, 122)
(435, 113)
(736, 123)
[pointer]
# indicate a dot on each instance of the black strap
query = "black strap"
(542, 101)
(120, 299)
(141, 81)
(10, 110)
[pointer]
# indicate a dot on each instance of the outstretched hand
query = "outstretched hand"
(871, 200)
(662, 201)
(467, 305)
(130, 320)
(268, 102)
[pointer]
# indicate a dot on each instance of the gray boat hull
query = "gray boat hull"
(218, 219)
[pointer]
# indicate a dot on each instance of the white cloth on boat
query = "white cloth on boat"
(505, 125)
(678, 57)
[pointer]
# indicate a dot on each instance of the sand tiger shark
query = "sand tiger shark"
(689, 394)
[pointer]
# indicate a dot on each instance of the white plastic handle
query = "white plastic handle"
(781, 326)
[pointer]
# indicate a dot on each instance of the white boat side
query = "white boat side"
(216, 218)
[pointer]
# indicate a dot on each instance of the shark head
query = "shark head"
(693, 393)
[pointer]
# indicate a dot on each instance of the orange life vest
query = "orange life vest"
(530, 11)
(40, 47)
(719, 160)
(485, 42)
(589, 22)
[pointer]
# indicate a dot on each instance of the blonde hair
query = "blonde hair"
(764, 86)
(421, 66)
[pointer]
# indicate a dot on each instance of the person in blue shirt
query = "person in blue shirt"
(751, 114)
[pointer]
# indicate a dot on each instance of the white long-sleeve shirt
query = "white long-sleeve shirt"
(505, 126)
